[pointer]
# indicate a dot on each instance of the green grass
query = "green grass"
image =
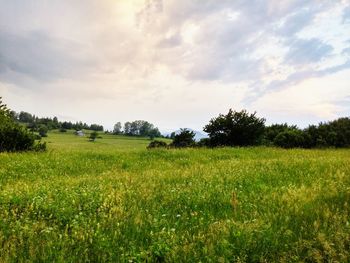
(113, 200)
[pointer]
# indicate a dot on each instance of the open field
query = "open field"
(113, 200)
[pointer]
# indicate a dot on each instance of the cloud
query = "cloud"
(39, 56)
(133, 50)
(303, 51)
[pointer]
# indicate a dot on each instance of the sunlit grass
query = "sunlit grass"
(113, 200)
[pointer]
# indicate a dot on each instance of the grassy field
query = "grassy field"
(113, 200)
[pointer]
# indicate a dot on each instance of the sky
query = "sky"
(176, 63)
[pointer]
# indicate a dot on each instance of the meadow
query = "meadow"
(115, 201)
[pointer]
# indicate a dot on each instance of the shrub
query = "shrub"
(63, 130)
(43, 131)
(157, 144)
(204, 142)
(93, 136)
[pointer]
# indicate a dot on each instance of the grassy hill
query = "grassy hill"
(113, 200)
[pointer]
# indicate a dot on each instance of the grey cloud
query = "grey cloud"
(303, 51)
(37, 55)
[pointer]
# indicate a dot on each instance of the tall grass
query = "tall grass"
(113, 200)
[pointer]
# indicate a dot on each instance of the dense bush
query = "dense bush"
(290, 139)
(43, 131)
(93, 136)
(14, 137)
(235, 129)
(271, 132)
(184, 139)
(157, 144)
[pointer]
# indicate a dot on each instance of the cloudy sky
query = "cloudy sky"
(176, 63)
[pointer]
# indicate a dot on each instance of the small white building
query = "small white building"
(79, 133)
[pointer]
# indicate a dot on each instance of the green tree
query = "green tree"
(235, 129)
(117, 128)
(184, 139)
(93, 136)
(43, 130)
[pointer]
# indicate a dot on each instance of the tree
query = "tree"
(43, 131)
(14, 137)
(117, 128)
(96, 127)
(290, 139)
(26, 117)
(93, 136)
(235, 129)
(127, 128)
(270, 132)
(184, 139)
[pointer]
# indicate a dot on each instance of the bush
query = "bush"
(63, 130)
(204, 142)
(93, 136)
(235, 129)
(157, 144)
(43, 131)
(290, 139)
(184, 139)
(14, 137)
(270, 132)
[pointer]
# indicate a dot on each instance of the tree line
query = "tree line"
(240, 128)
(236, 128)
(36, 124)
(137, 128)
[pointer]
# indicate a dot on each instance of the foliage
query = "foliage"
(184, 139)
(43, 131)
(14, 137)
(141, 128)
(96, 127)
(157, 144)
(118, 202)
(93, 136)
(235, 129)
(117, 128)
(204, 142)
(290, 139)
(271, 132)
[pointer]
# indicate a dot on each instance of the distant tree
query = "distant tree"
(184, 139)
(67, 125)
(235, 129)
(43, 130)
(93, 136)
(26, 117)
(96, 127)
(154, 133)
(127, 128)
(117, 128)
(172, 135)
